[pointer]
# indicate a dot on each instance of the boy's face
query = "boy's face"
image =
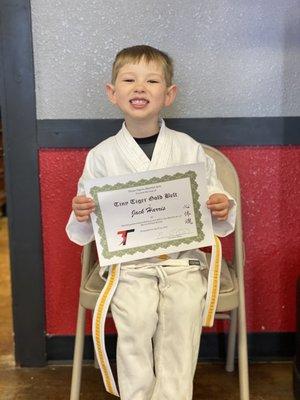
(140, 91)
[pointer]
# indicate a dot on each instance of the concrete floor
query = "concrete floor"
(268, 381)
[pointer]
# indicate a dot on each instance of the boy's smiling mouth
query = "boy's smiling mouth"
(139, 102)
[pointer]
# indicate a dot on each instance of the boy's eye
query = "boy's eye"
(128, 80)
(153, 81)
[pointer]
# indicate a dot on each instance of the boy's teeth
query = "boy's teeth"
(138, 101)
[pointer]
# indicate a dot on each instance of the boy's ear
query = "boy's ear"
(171, 95)
(110, 91)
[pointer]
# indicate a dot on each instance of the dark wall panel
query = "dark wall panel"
(214, 131)
(22, 181)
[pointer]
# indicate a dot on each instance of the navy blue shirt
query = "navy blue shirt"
(147, 144)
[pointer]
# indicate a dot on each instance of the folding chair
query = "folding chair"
(231, 301)
(231, 298)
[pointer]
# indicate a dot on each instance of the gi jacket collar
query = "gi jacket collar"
(136, 156)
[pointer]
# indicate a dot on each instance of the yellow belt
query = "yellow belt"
(99, 317)
(213, 285)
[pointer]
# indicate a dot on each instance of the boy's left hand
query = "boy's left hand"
(219, 206)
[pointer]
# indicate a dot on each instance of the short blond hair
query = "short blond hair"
(134, 54)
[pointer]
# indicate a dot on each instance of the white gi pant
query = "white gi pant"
(158, 315)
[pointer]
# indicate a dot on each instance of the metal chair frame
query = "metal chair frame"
(231, 305)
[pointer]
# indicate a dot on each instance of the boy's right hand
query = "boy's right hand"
(83, 206)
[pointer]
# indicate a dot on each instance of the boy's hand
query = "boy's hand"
(82, 206)
(219, 206)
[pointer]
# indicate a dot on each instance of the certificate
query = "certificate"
(150, 213)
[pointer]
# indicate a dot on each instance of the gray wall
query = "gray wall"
(232, 58)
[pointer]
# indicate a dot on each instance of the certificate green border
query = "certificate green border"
(176, 242)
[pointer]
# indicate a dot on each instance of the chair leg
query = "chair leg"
(243, 355)
(231, 341)
(78, 354)
(96, 364)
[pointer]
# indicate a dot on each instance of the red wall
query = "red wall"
(270, 184)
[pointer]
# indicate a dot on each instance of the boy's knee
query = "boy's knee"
(140, 321)
(187, 308)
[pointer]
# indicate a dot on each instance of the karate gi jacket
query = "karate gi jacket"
(120, 155)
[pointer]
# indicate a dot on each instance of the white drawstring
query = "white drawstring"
(163, 278)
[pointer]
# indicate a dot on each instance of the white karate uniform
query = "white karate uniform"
(158, 305)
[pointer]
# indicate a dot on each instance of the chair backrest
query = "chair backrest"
(229, 178)
(225, 170)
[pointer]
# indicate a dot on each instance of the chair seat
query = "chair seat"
(229, 291)
(91, 288)
(228, 297)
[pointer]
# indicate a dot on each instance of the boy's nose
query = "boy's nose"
(139, 91)
(139, 88)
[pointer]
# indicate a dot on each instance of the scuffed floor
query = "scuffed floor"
(268, 381)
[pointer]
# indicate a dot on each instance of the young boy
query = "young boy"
(158, 305)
